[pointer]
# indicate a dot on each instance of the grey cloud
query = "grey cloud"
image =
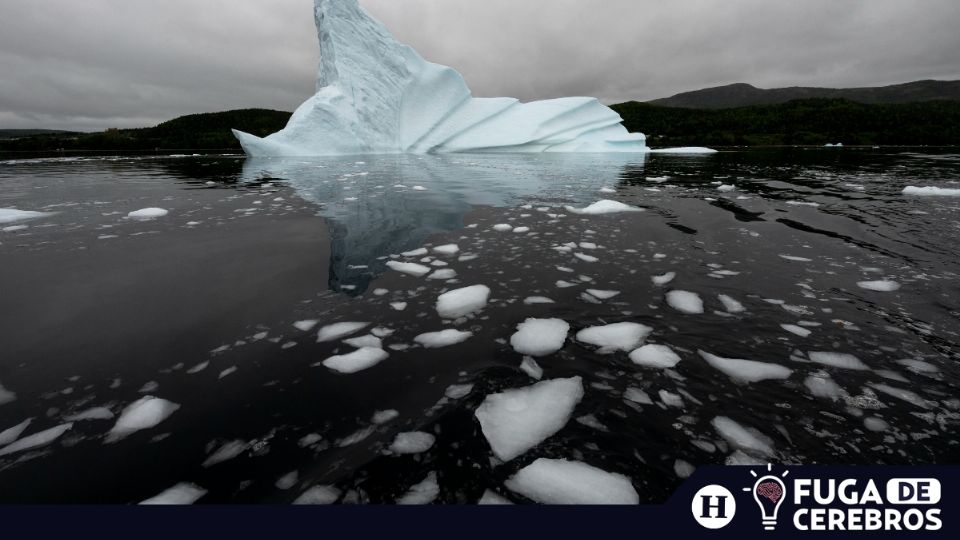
(124, 63)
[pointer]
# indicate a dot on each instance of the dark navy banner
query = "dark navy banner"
(717, 502)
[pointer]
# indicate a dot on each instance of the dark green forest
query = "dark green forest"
(801, 122)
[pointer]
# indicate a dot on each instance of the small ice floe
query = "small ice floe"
(558, 481)
(306, 325)
(36, 440)
(794, 258)
(446, 338)
(603, 295)
(383, 417)
(919, 366)
(586, 258)
(357, 361)
(11, 215)
(443, 274)
(533, 300)
(503, 227)
(6, 396)
(746, 370)
(931, 191)
(318, 495)
(625, 336)
(415, 442)
(9, 435)
(803, 203)
(144, 413)
(448, 249)
(96, 413)
(412, 269)
(227, 372)
(531, 368)
(287, 481)
(540, 337)
(145, 214)
(490, 498)
(337, 331)
(521, 230)
(685, 302)
(561, 284)
(743, 438)
(419, 252)
(822, 386)
(905, 395)
(603, 207)
(726, 188)
(458, 391)
(730, 304)
(462, 302)
(838, 360)
(655, 356)
(423, 493)
(419, 188)
(796, 330)
(670, 399)
(872, 423)
(664, 279)
(226, 452)
(178, 495)
(879, 286)
(683, 469)
(198, 368)
(517, 420)
(637, 395)
(399, 306)
(684, 150)
(365, 341)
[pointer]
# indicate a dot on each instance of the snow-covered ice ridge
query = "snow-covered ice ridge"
(377, 95)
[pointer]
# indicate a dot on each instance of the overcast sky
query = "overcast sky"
(93, 64)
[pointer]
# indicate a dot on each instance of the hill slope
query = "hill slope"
(744, 95)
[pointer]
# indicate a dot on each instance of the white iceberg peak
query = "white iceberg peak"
(377, 95)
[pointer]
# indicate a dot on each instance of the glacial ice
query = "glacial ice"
(558, 481)
(10, 215)
(413, 269)
(445, 338)
(838, 360)
(746, 370)
(603, 207)
(318, 495)
(743, 438)
(879, 286)
(517, 420)
(414, 442)
(540, 337)
(148, 214)
(376, 95)
(655, 356)
(356, 361)
(144, 413)
(931, 191)
(9, 435)
(423, 493)
(336, 331)
(462, 302)
(180, 494)
(685, 302)
(624, 336)
(36, 440)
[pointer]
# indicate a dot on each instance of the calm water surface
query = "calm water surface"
(201, 308)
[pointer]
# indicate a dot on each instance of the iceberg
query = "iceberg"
(376, 95)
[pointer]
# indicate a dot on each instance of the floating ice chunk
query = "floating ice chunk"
(521, 230)
(822, 386)
(603, 295)
(415, 442)
(905, 395)
(148, 213)
(9, 435)
(443, 274)
(683, 469)
(337, 331)
(178, 495)
(287, 481)
(685, 302)
(382, 417)
(873, 423)
(318, 495)
(6, 396)
(740, 459)
(517, 420)
(226, 452)
(625, 336)
(670, 399)
(684, 150)
(637, 395)
(660, 281)
(531, 368)
(532, 300)
(446, 338)
(490, 498)
(730, 304)
(36, 440)
(838, 360)
(399, 306)
(307, 325)
(743, 438)
(795, 258)
(419, 252)
(462, 302)
(918, 366)
(503, 227)
(746, 370)
(540, 337)
(356, 361)
(655, 356)
(798, 330)
(365, 341)
(586, 258)
(449, 249)
(419, 188)
(931, 191)
(879, 286)
(413, 269)
(565, 284)
(558, 481)
(96, 413)
(144, 413)
(10, 215)
(603, 207)
(458, 391)
(423, 493)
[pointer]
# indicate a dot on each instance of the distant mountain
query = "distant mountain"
(19, 133)
(745, 95)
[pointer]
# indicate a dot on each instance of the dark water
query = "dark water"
(98, 311)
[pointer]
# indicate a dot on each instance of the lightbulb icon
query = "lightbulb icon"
(769, 492)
